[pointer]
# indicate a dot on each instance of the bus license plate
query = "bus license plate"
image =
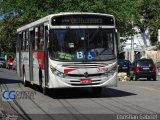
(85, 81)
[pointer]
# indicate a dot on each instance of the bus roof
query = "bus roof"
(47, 18)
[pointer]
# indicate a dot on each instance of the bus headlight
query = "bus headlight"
(56, 72)
(114, 69)
(111, 71)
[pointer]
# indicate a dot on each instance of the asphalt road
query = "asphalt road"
(131, 99)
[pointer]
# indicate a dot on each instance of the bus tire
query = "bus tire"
(25, 83)
(45, 90)
(97, 90)
(40, 77)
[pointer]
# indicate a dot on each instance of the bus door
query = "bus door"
(18, 54)
(46, 38)
(31, 41)
(38, 55)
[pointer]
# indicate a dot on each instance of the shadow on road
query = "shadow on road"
(74, 93)
(9, 81)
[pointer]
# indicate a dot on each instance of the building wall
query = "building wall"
(155, 55)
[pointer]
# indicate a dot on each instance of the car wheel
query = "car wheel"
(154, 78)
(135, 78)
(131, 78)
(148, 78)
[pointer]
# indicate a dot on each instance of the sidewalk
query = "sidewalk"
(1, 109)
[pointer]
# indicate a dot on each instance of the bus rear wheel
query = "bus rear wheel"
(44, 89)
(25, 83)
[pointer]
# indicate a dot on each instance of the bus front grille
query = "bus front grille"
(86, 65)
(82, 75)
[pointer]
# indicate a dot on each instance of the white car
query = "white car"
(2, 62)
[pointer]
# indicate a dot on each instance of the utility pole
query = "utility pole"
(132, 43)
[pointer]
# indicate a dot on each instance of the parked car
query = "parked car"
(14, 64)
(157, 64)
(2, 62)
(9, 63)
(158, 67)
(143, 68)
(124, 66)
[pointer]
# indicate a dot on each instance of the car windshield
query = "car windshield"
(124, 62)
(81, 44)
(145, 63)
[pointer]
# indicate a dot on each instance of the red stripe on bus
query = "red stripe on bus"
(68, 70)
(40, 57)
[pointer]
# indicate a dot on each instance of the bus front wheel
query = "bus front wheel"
(45, 90)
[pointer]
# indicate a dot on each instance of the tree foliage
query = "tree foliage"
(150, 10)
(142, 13)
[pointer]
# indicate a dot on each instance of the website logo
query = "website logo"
(8, 95)
(12, 95)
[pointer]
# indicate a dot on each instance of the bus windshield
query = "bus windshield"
(82, 44)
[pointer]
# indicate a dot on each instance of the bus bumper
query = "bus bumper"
(100, 81)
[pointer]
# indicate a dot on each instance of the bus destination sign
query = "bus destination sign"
(82, 20)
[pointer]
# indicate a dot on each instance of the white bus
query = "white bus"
(68, 50)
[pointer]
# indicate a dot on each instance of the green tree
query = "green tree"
(150, 10)
(125, 11)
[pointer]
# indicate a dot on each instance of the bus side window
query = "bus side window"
(31, 38)
(53, 45)
(35, 46)
(27, 39)
(39, 38)
(19, 44)
(41, 35)
(41, 44)
(24, 42)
